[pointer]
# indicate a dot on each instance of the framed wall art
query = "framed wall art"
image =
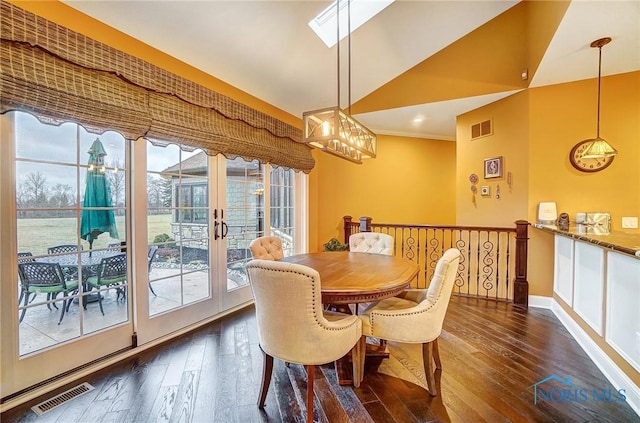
(493, 167)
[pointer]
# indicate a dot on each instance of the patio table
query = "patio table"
(85, 263)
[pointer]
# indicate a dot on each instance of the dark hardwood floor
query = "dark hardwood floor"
(491, 355)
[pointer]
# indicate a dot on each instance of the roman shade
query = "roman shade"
(59, 75)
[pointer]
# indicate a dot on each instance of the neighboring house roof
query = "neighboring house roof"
(197, 164)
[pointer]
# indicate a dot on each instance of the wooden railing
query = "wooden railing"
(493, 264)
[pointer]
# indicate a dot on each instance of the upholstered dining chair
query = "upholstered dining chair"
(371, 242)
(302, 332)
(416, 315)
(267, 248)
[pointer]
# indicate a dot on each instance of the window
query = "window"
(192, 197)
(282, 210)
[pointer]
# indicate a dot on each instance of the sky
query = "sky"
(60, 145)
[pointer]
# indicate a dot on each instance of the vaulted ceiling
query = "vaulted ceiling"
(428, 60)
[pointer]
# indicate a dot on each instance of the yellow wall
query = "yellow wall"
(534, 131)
(509, 140)
(412, 180)
(560, 117)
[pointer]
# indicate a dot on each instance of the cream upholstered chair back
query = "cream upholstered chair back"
(291, 323)
(438, 294)
(293, 326)
(267, 248)
(371, 242)
(416, 315)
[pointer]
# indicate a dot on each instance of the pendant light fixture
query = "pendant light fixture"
(331, 129)
(599, 148)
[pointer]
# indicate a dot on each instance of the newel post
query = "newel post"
(521, 285)
(347, 228)
(365, 224)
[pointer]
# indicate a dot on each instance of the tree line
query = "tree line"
(35, 193)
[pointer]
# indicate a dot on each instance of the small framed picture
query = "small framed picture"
(493, 167)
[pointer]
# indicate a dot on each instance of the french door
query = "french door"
(201, 213)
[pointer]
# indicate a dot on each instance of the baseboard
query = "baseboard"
(611, 371)
(540, 301)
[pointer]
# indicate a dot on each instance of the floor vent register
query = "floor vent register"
(62, 398)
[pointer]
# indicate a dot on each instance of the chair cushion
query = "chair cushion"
(93, 281)
(393, 303)
(52, 289)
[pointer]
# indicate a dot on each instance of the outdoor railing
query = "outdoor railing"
(493, 263)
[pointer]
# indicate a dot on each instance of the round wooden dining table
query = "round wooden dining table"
(351, 278)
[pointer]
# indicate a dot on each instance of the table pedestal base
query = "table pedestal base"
(92, 298)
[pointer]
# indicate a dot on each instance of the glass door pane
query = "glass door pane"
(177, 227)
(282, 207)
(243, 222)
(71, 208)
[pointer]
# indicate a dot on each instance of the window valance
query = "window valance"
(55, 73)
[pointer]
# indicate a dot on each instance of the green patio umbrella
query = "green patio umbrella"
(97, 217)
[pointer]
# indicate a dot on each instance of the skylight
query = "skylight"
(324, 25)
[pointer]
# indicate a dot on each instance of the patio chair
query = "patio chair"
(23, 257)
(64, 248)
(47, 278)
(151, 254)
(416, 316)
(70, 273)
(112, 272)
(301, 332)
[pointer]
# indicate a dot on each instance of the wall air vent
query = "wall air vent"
(481, 129)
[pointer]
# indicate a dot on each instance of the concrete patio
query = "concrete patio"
(40, 328)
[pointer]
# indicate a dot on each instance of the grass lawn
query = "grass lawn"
(36, 235)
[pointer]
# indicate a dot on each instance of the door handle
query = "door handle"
(215, 230)
(224, 228)
(215, 224)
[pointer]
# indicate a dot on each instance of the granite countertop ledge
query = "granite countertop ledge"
(624, 242)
